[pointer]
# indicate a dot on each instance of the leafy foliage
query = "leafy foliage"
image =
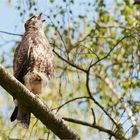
(100, 35)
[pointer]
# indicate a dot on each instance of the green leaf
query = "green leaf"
(52, 1)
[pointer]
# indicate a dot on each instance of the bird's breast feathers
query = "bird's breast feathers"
(35, 81)
(39, 64)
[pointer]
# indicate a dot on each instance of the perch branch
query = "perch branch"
(36, 106)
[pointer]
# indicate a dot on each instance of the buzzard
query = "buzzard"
(33, 64)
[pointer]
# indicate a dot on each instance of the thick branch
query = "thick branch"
(36, 106)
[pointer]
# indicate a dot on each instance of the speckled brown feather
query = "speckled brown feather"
(27, 55)
(33, 64)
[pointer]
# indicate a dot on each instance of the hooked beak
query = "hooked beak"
(39, 16)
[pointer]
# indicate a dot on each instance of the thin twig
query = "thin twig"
(12, 129)
(77, 98)
(58, 34)
(94, 117)
(11, 33)
(32, 128)
(84, 38)
(108, 54)
(73, 65)
(98, 104)
(90, 51)
(48, 135)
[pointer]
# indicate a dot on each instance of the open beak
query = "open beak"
(39, 16)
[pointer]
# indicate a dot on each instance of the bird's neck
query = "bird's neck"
(34, 31)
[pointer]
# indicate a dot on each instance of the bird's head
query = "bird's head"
(35, 23)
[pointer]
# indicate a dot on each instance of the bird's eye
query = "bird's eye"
(43, 20)
(32, 17)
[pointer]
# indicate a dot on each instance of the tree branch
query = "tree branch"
(96, 102)
(68, 62)
(36, 106)
(77, 98)
(8, 33)
(108, 54)
(110, 132)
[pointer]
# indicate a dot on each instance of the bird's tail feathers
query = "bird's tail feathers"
(22, 114)
(14, 114)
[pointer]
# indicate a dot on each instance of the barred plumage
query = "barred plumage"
(33, 64)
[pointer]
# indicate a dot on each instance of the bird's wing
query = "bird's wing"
(20, 59)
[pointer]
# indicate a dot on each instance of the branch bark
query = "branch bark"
(36, 106)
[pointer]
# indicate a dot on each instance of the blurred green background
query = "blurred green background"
(83, 32)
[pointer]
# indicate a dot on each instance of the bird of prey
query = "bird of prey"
(33, 64)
